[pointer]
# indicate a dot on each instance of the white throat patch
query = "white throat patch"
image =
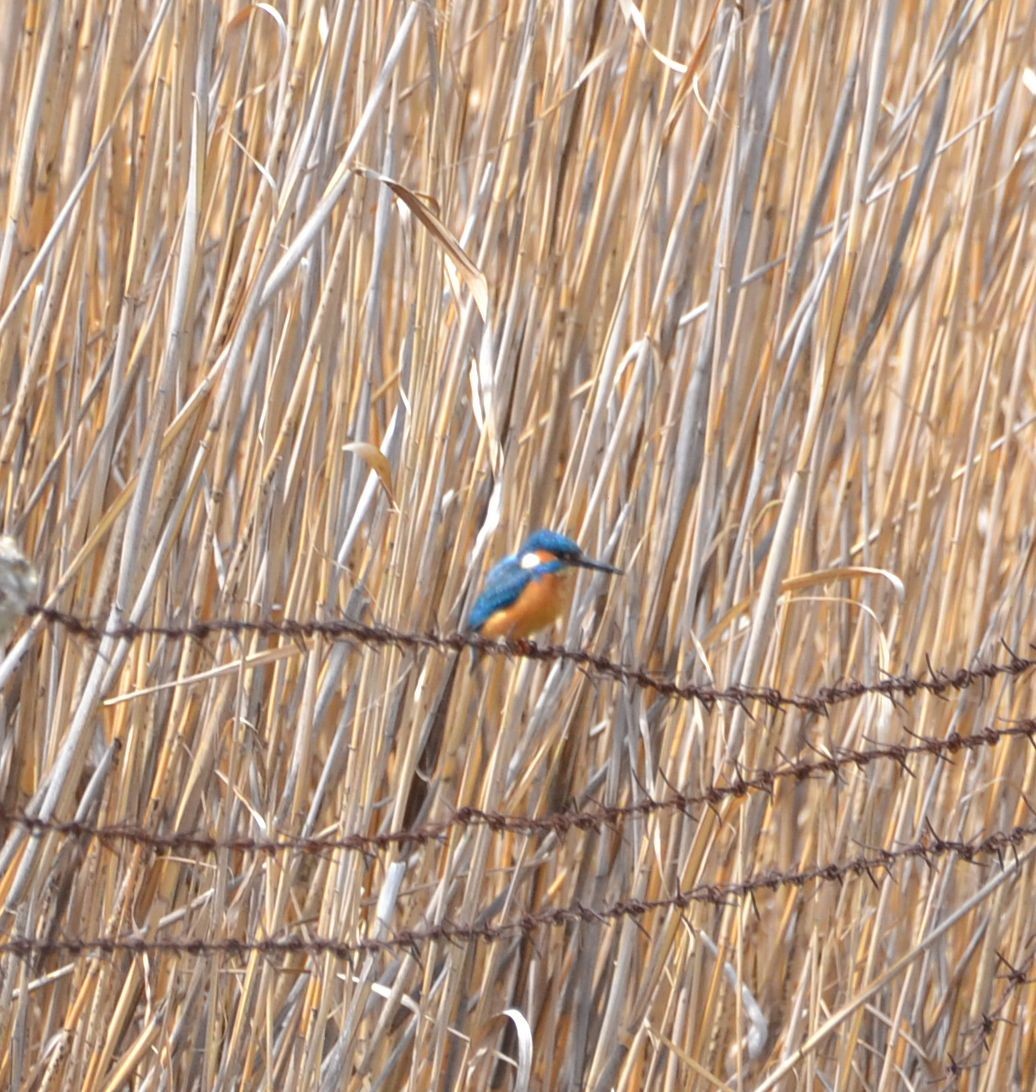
(530, 560)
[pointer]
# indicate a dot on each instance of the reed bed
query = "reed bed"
(310, 311)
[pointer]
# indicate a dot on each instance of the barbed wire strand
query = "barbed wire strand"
(927, 849)
(1016, 977)
(594, 818)
(935, 681)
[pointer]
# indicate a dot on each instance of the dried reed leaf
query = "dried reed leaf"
(453, 251)
(376, 459)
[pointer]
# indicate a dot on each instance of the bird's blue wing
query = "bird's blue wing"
(504, 584)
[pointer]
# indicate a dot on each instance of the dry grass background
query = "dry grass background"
(741, 296)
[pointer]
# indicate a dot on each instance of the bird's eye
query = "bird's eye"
(529, 560)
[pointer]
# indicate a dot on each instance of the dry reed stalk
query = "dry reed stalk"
(309, 311)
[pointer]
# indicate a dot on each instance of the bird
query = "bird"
(529, 590)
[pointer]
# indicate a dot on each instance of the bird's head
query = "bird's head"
(559, 548)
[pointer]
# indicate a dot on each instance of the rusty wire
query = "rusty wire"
(1016, 976)
(409, 940)
(933, 681)
(560, 823)
(593, 818)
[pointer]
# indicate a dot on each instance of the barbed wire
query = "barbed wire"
(927, 849)
(1016, 976)
(560, 823)
(934, 681)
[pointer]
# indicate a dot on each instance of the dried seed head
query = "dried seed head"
(18, 585)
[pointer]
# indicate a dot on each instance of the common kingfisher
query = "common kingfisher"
(530, 589)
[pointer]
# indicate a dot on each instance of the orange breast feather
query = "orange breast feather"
(542, 601)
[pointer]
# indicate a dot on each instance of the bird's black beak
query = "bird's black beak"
(600, 566)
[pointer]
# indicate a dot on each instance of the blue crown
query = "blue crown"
(552, 543)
